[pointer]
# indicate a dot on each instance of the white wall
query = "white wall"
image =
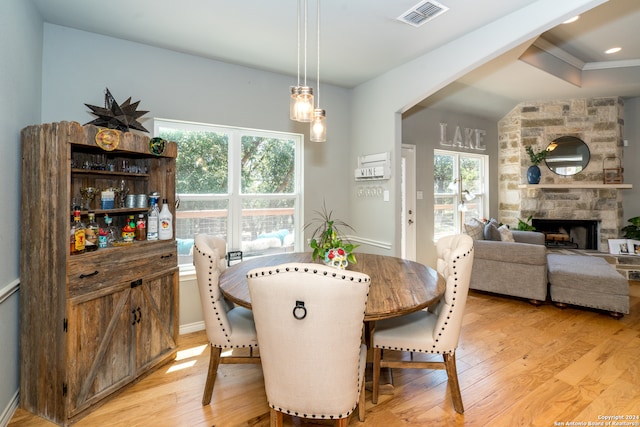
(20, 85)
(421, 127)
(631, 154)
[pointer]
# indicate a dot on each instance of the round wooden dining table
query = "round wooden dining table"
(397, 287)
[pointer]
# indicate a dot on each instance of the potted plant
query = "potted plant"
(533, 173)
(632, 231)
(328, 242)
(525, 225)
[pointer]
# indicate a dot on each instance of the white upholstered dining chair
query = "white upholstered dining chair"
(309, 320)
(436, 330)
(227, 327)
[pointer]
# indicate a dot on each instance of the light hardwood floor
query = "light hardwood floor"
(518, 365)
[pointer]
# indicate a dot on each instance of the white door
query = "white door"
(408, 194)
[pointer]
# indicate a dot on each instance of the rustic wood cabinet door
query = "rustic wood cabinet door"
(154, 302)
(99, 347)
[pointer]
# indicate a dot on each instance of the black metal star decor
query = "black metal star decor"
(113, 116)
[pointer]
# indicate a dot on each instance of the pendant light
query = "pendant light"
(303, 105)
(318, 129)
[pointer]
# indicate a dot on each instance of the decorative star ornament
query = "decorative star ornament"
(113, 116)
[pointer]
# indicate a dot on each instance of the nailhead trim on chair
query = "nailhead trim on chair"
(313, 416)
(215, 308)
(432, 351)
(306, 270)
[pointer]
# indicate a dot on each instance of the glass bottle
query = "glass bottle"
(152, 220)
(91, 233)
(77, 234)
(128, 232)
(165, 222)
(141, 228)
(112, 231)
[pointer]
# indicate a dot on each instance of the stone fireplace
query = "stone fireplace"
(599, 123)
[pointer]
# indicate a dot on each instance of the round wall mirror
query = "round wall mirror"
(568, 155)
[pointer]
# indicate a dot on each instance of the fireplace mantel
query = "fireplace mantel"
(577, 186)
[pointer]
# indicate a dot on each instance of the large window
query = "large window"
(242, 185)
(460, 190)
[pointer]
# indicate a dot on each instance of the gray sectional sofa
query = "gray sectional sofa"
(516, 263)
(516, 268)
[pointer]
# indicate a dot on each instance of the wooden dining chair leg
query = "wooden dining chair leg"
(342, 422)
(454, 385)
(361, 403)
(377, 355)
(275, 418)
(214, 361)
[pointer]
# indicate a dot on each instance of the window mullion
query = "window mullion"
(235, 200)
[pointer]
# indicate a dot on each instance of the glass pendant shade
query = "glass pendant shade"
(292, 101)
(318, 130)
(304, 104)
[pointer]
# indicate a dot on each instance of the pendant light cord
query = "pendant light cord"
(298, 29)
(318, 52)
(306, 6)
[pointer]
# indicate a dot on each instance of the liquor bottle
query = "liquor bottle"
(77, 234)
(112, 231)
(141, 228)
(152, 220)
(165, 222)
(102, 238)
(91, 233)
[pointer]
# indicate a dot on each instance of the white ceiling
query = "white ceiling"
(361, 39)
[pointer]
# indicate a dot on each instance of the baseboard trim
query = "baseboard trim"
(370, 242)
(192, 327)
(8, 412)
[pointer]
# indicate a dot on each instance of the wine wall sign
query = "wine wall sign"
(471, 139)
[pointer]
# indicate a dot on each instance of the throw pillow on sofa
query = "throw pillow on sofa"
(505, 234)
(491, 230)
(474, 229)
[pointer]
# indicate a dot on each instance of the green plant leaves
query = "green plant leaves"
(327, 235)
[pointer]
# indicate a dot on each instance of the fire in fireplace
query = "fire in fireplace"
(574, 233)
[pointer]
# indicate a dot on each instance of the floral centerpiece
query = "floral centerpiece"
(328, 242)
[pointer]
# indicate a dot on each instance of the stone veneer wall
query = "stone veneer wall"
(599, 123)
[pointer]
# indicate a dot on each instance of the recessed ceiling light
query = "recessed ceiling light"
(574, 19)
(613, 50)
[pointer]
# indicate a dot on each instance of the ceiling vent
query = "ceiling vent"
(422, 12)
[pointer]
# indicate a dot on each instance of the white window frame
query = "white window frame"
(481, 196)
(234, 196)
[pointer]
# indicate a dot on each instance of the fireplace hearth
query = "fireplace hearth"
(578, 234)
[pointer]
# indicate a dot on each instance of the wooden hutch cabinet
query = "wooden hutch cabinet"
(93, 322)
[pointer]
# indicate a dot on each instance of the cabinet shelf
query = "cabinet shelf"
(122, 247)
(113, 212)
(97, 172)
